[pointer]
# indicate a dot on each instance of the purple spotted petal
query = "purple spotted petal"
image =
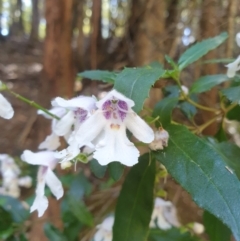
(80, 114)
(122, 109)
(107, 109)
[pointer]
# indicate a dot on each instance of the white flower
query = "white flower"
(238, 39)
(110, 121)
(233, 67)
(6, 110)
(160, 140)
(79, 108)
(164, 215)
(25, 181)
(52, 141)
(9, 172)
(104, 232)
(47, 163)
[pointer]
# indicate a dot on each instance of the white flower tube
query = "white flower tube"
(233, 67)
(47, 163)
(6, 110)
(113, 117)
(164, 215)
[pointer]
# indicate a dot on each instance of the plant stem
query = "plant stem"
(32, 103)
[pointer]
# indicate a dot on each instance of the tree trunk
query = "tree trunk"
(35, 22)
(147, 28)
(58, 62)
(209, 28)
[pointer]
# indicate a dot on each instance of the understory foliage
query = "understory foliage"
(207, 167)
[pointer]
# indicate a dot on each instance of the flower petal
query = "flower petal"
(84, 102)
(116, 147)
(69, 153)
(90, 128)
(140, 129)
(63, 126)
(40, 202)
(50, 143)
(118, 96)
(233, 67)
(54, 184)
(43, 158)
(6, 110)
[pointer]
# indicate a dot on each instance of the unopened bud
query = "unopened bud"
(66, 164)
(198, 228)
(160, 140)
(185, 89)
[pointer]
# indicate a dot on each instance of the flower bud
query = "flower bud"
(25, 181)
(66, 164)
(185, 89)
(238, 39)
(160, 140)
(198, 228)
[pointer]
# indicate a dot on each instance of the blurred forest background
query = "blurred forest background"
(44, 44)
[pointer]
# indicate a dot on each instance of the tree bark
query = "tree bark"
(209, 28)
(35, 22)
(58, 59)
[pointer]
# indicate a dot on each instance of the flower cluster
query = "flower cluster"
(235, 65)
(92, 129)
(103, 127)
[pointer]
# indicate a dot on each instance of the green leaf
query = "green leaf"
(53, 233)
(207, 82)
(199, 49)
(201, 171)
(164, 109)
(172, 234)
(97, 169)
(215, 229)
(15, 207)
(80, 186)
(80, 211)
(233, 94)
(116, 170)
(5, 220)
(230, 154)
(171, 62)
(103, 75)
(135, 203)
(135, 83)
(188, 110)
(234, 113)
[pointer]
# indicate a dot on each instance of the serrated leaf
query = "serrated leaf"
(97, 169)
(135, 202)
(135, 83)
(199, 49)
(207, 82)
(15, 207)
(230, 153)
(202, 172)
(103, 75)
(164, 108)
(53, 233)
(215, 229)
(115, 170)
(172, 234)
(233, 94)
(80, 211)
